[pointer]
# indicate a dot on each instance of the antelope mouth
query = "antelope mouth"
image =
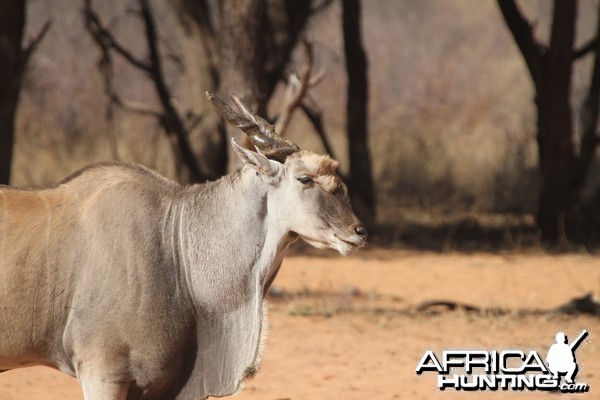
(360, 242)
(343, 244)
(348, 246)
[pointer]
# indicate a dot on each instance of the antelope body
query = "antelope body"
(146, 289)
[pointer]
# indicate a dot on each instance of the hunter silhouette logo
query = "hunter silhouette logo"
(508, 369)
(561, 356)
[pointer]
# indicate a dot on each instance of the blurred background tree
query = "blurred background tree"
(564, 158)
(360, 176)
(424, 102)
(12, 22)
(13, 55)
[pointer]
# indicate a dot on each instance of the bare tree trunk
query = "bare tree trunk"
(360, 179)
(555, 123)
(550, 68)
(287, 20)
(589, 115)
(242, 58)
(586, 213)
(12, 22)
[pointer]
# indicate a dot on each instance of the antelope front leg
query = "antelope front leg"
(95, 386)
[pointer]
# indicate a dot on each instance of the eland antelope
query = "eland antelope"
(145, 289)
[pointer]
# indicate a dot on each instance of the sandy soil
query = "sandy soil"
(346, 328)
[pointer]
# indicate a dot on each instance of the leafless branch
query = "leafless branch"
(522, 31)
(296, 14)
(35, 41)
(106, 70)
(135, 107)
(106, 40)
(168, 117)
(27, 51)
(585, 49)
(171, 119)
(296, 89)
(192, 120)
(315, 116)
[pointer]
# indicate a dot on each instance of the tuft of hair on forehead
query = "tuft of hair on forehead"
(316, 164)
(321, 168)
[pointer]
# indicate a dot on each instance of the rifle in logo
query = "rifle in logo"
(561, 356)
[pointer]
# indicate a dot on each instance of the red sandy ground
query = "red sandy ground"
(346, 333)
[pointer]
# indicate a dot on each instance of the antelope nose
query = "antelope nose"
(360, 230)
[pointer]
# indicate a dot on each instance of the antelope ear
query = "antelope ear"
(256, 160)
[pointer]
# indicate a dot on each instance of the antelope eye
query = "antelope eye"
(304, 179)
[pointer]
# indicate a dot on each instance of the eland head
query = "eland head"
(304, 188)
